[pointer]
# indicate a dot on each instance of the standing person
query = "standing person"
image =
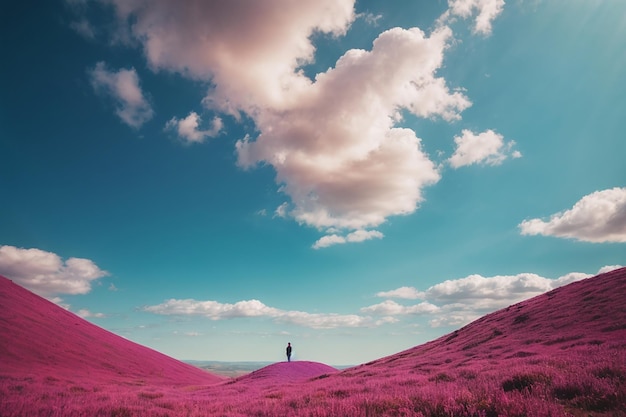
(288, 352)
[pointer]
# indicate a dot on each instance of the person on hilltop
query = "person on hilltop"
(288, 352)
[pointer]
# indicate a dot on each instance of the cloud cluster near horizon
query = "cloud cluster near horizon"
(341, 157)
(450, 303)
(215, 310)
(597, 217)
(460, 301)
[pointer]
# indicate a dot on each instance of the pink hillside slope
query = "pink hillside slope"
(591, 312)
(39, 337)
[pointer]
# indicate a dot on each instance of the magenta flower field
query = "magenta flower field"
(562, 353)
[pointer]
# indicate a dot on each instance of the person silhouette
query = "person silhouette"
(288, 352)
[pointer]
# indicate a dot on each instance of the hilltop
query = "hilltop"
(282, 372)
(591, 312)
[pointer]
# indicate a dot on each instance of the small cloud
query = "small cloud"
(188, 130)
(598, 217)
(282, 211)
(485, 11)
(123, 87)
(85, 313)
(455, 320)
(391, 308)
(609, 268)
(356, 236)
(83, 28)
(408, 293)
(59, 301)
(112, 287)
(46, 274)
(369, 18)
(486, 148)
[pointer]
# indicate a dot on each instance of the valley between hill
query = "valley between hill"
(562, 353)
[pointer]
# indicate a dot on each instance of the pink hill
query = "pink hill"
(40, 338)
(283, 372)
(591, 312)
(562, 353)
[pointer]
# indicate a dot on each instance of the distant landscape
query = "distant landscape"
(229, 369)
(235, 369)
(562, 353)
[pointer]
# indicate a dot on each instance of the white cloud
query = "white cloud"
(45, 273)
(123, 87)
(391, 308)
(336, 151)
(85, 313)
(370, 18)
(408, 293)
(453, 319)
(495, 292)
(356, 236)
(325, 321)
(487, 148)
(281, 211)
(254, 308)
(597, 217)
(484, 10)
(213, 309)
(250, 51)
(609, 268)
(187, 128)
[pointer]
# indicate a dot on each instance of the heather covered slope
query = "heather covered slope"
(591, 312)
(41, 338)
(562, 353)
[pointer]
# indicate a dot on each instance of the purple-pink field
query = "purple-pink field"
(559, 354)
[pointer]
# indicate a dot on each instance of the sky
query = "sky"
(216, 179)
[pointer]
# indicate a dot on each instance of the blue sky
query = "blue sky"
(216, 180)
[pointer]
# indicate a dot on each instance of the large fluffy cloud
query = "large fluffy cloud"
(249, 50)
(336, 151)
(45, 273)
(254, 308)
(334, 142)
(123, 87)
(597, 217)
